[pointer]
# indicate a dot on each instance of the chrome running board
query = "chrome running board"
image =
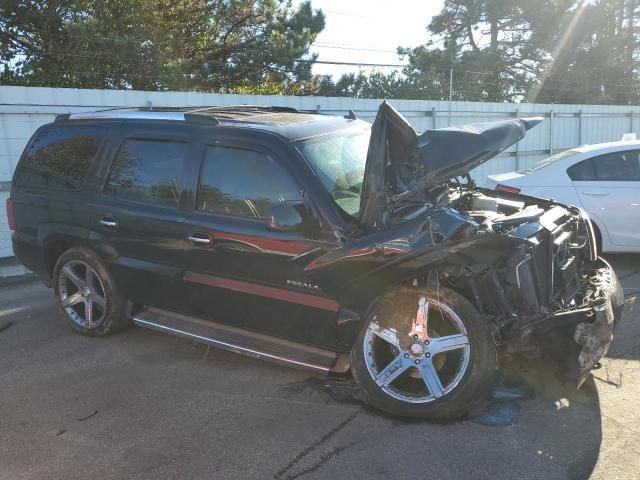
(239, 341)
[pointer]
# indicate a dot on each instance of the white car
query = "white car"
(603, 179)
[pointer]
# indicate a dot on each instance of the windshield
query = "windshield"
(339, 160)
(550, 160)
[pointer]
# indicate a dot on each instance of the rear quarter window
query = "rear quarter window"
(582, 171)
(59, 157)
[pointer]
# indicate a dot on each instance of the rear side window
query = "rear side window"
(148, 171)
(243, 183)
(60, 157)
(611, 167)
(582, 171)
(618, 166)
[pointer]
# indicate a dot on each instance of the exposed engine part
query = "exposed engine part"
(498, 205)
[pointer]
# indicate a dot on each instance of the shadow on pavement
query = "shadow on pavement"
(535, 425)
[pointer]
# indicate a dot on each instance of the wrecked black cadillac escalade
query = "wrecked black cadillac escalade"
(315, 241)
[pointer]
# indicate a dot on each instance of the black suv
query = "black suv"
(312, 240)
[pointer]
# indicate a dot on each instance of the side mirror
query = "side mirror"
(285, 217)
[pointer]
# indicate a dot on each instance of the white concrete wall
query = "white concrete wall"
(23, 109)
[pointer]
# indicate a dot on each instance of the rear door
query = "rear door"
(608, 187)
(239, 272)
(136, 221)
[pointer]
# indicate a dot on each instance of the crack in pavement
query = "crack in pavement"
(314, 446)
(323, 459)
(87, 417)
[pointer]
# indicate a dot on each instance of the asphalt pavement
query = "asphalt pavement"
(142, 405)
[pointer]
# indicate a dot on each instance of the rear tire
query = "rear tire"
(86, 294)
(463, 371)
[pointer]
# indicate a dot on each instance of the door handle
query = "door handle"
(108, 222)
(200, 239)
(596, 194)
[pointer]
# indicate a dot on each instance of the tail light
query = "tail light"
(11, 217)
(507, 188)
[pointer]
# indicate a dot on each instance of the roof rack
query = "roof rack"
(199, 114)
(249, 109)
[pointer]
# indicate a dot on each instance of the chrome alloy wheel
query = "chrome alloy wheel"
(421, 364)
(82, 294)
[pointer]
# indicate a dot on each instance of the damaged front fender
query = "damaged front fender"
(366, 268)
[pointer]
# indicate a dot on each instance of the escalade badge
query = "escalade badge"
(308, 286)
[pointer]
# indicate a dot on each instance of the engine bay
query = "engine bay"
(543, 274)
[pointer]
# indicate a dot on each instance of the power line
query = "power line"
(360, 49)
(219, 61)
(342, 44)
(353, 64)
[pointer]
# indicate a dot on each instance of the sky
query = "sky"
(369, 31)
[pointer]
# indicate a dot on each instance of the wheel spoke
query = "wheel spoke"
(431, 378)
(72, 300)
(71, 275)
(391, 371)
(448, 343)
(391, 357)
(388, 336)
(88, 277)
(88, 312)
(98, 299)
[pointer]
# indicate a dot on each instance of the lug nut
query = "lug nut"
(417, 362)
(406, 355)
(428, 355)
(426, 342)
(415, 337)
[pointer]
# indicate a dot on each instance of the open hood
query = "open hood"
(400, 161)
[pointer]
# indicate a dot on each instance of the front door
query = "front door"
(238, 271)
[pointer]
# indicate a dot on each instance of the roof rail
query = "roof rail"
(273, 108)
(211, 115)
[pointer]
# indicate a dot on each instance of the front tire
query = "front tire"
(86, 294)
(442, 373)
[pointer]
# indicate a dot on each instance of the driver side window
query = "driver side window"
(243, 183)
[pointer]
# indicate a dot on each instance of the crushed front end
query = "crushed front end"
(528, 265)
(550, 293)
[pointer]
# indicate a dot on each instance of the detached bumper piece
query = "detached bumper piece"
(595, 333)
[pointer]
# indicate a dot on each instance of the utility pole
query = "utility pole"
(450, 92)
